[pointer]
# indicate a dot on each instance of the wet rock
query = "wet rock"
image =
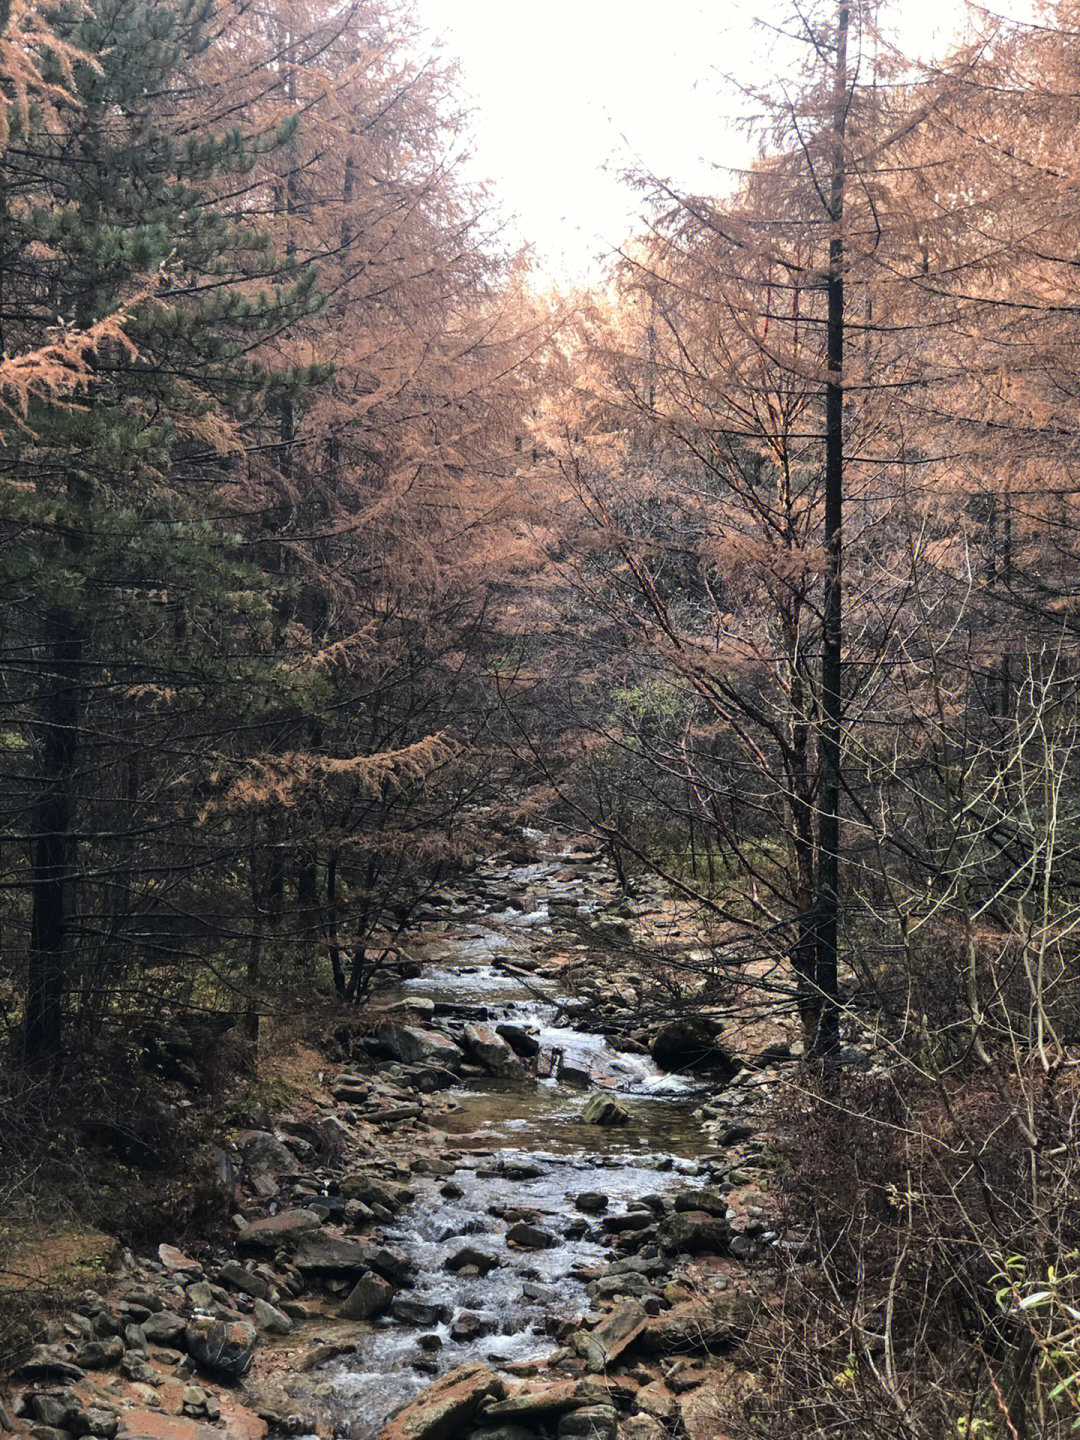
(546, 1063)
(268, 1317)
(278, 1232)
(520, 1038)
(389, 1264)
(371, 1295)
(530, 1237)
(491, 1050)
(694, 1232)
(446, 1409)
(418, 1046)
(411, 1310)
(164, 1328)
(591, 1201)
(223, 1348)
(513, 1168)
(690, 1044)
(469, 1257)
(322, 1353)
(605, 1110)
(572, 1074)
(234, 1277)
(591, 1422)
(468, 1325)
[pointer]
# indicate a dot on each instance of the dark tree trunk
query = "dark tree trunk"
(826, 980)
(52, 846)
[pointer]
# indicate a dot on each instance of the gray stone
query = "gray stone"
(491, 1050)
(591, 1201)
(101, 1354)
(269, 1317)
(99, 1422)
(265, 1154)
(470, 1257)
(694, 1232)
(361, 1187)
(605, 1110)
(369, 1296)
(338, 1257)
(164, 1328)
(62, 1411)
(710, 1201)
(519, 1037)
(530, 1237)
(223, 1348)
(417, 1046)
(411, 1310)
(234, 1277)
(591, 1422)
(279, 1232)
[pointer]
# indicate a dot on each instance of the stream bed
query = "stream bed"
(519, 1152)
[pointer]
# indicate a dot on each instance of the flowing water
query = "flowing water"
(518, 1147)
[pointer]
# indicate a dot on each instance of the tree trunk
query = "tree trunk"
(826, 1038)
(53, 849)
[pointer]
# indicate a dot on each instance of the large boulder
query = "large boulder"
(491, 1050)
(223, 1348)
(414, 1045)
(446, 1409)
(690, 1043)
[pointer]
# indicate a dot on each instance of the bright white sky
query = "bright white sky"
(568, 92)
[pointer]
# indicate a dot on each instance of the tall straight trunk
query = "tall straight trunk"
(59, 710)
(826, 1038)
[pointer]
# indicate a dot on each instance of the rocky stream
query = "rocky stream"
(495, 1223)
